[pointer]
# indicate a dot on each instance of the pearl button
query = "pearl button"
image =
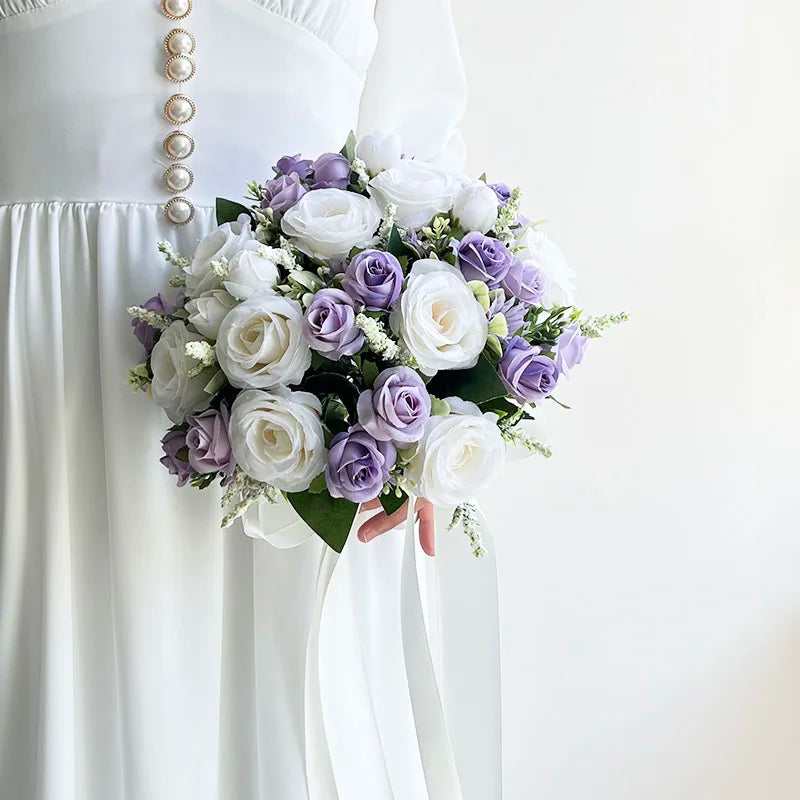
(176, 9)
(179, 109)
(179, 42)
(180, 68)
(178, 178)
(178, 145)
(179, 211)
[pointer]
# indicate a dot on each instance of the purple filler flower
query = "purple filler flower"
(175, 457)
(329, 324)
(144, 332)
(528, 375)
(511, 309)
(375, 279)
(396, 408)
(282, 193)
(358, 465)
(208, 442)
(482, 258)
(330, 171)
(524, 281)
(570, 347)
(502, 191)
(289, 164)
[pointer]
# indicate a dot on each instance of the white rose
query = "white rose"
(419, 190)
(458, 455)
(261, 343)
(207, 311)
(439, 319)
(476, 207)
(559, 277)
(251, 271)
(277, 437)
(223, 242)
(178, 394)
(379, 151)
(328, 223)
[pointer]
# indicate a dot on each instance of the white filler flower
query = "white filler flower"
(277, 437)
(438, 318)
(251, 271)
(261, 343)
(475, 207)
(224, 242)
(328, 223)
(207, 311)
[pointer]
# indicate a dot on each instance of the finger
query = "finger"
(427, 530)
(382, 522)
(370, 505)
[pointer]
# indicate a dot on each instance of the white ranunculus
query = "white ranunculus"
(439, 319)
(277, 437)
(207, 311)
(178, 394)
(261, 343)
(379, 151)
(458, 455)
(328, 223)
(419, 190)
(547, 256)
(475, 207)
(224, 242)
(251, 271)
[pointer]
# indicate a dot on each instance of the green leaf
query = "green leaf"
(395, 244)
(329, 517)
(391, 502)
(334, 415)
(318, 484)
(229, 211)
(332, 383)
(370, 370)
(479, 384)
(349, 149)
(216, 383)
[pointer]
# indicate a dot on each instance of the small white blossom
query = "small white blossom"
(467, 515)
(593, 327)
(203, 353)
(153, 319)
(507, 217)
(248, 490)
(360, 169)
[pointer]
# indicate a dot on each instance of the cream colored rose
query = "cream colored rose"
(250, 272)
(475, 207)
(207, 311)
(224, 242)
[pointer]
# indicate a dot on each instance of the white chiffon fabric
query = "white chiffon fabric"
(144, 653)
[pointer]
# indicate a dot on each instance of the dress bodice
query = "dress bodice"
(84, 85)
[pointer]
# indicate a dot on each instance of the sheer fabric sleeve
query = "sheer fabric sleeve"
(416, 85)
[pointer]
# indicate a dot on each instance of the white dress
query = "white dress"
(144, 653)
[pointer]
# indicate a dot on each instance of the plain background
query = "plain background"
(651, 600)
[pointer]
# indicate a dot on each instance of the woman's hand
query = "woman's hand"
(382, 522)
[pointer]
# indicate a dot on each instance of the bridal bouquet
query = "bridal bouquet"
(371, 326)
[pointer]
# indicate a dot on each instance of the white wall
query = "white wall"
(651, 602)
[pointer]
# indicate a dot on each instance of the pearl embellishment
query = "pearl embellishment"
(178, 178)
(179, 211)
(178, 145)
(179, 42)
(180, 68)
(179, 109)
(176, 9)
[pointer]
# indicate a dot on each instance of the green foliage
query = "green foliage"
(349, 149)
(479, 384)
(391, 502)
(327, 383)
(395, 244)
(229, 211)
(329, 517)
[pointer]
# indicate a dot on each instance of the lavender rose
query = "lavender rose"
(375, 279)
(208, 442)
(570, 348)
(175, 457)
(283, 192)
(525, 281)
(502, 191)
(358, 465)
(528, 375)
(289, 164)
(330, 171)
(145, 333)
(396, 408)
(329, 324)
(482, 258)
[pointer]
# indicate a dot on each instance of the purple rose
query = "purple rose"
(396, 408)
(175, 457)
(570, 347)
(528, 375)
(502, 191)
(482, 258)
(329, 324)
(282, 193)
(144, 332)
(375, 279)
(513, 311)
(525, 281)
(289, 164)
(208, 442)
(330, 171)
(358, 465)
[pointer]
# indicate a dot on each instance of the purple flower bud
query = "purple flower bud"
(358, 465)
(208, 442)
(482, 258)
(375, 279)
(396, 408)
(527, 374)
(175, 457)
(570, 347)
(289, 164)
(329, 324)
(502, 191)
(330, 171)
(282, 193)
(145, 333)
(524, 281)
(511, 309)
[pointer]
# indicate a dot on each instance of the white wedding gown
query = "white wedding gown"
(144, 653)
